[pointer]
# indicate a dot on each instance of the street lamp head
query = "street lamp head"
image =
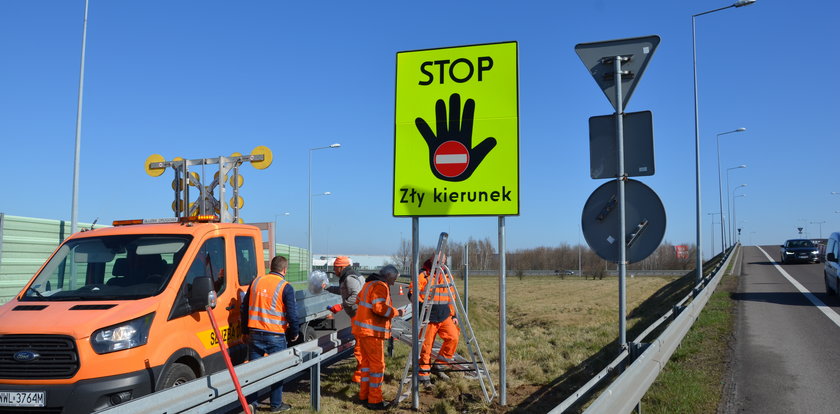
(740, 130)
(742, 3)
(742, 166)
(327, 193)
(742, 185)
(336, 145)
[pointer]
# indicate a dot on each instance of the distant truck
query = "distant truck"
(116, 313)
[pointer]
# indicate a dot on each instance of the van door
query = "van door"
(191, 324)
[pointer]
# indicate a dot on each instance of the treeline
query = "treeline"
(484, 256)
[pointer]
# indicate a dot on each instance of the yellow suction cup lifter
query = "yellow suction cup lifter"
(196, 180)
(156, 159)
(237, 202)
(267, 157)
(239, 183)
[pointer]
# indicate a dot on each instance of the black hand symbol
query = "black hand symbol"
(452, 146)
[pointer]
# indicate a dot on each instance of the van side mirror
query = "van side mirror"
(202, 294)
(830, 257)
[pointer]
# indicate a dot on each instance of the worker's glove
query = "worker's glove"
(454, 139)
(335, 308)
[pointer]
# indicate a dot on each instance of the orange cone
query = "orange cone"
(401, 289)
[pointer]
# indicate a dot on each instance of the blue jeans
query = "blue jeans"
(268, 343)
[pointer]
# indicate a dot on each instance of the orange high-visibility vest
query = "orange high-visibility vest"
(439, 291)
(373, 318)
(266, 310)
(421, 281)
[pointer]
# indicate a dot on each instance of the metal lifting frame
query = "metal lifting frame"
(476, 362)
(183, 180)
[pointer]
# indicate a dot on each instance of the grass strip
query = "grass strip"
(692, 380)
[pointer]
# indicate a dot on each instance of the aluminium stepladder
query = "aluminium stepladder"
(474, 365)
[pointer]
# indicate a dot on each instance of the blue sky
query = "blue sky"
(208, 78)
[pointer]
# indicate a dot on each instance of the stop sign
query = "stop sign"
(451, 158)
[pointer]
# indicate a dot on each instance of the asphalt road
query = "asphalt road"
(786, 356)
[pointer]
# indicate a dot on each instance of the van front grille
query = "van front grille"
(38, 357)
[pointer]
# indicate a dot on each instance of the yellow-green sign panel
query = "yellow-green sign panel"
(456, 134)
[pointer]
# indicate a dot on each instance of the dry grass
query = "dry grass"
(558, 331)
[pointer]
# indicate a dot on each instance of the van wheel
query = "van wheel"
(174, 375)
(309, 333)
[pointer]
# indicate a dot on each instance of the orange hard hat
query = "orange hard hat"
(341, 261)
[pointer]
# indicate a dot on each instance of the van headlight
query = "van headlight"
(126, 335)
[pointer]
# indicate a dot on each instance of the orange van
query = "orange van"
(116, 313)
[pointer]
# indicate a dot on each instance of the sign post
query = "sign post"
(456, 148)
(617, 66)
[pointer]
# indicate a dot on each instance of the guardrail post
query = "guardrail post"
(315, 384)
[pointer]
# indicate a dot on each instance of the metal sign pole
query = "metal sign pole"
(415, 312)
(622, 238)
(467, 278)
(502, 315)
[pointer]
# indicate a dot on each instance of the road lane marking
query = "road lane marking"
(815, 300)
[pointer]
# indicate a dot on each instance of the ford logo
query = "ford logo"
(26, 356)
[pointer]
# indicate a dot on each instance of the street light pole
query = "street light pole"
(720, 188)
(728, 206)
(276, 227)
(712, 232)
(309, 267)
(734, 199)
(74, 205)
(309, 196)
(821, 222)
(699, 262)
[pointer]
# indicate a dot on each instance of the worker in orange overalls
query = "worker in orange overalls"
(371, 327)
(350, 282)
(442, 321)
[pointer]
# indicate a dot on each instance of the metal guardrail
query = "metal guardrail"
(217, 392)
(626, 391)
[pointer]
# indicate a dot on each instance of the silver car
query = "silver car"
(832, 267)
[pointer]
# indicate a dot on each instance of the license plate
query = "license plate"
(22, 398)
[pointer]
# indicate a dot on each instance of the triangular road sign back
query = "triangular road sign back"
(598, 58)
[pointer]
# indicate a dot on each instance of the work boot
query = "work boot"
(382, 405)
(424, 381)
(281, 408)
(440, 374)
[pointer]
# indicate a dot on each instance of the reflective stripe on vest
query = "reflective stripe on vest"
(367, 322)
(440, 291)
(264, 312)
(369, 326)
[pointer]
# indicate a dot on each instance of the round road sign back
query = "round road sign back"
(644, 221)
(451, 158)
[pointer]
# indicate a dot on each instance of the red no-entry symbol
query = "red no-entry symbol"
(451, 158)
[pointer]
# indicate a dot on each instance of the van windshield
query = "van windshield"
(109, 268)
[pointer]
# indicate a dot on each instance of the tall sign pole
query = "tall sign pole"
(617, 66)
(622, 255)
(457, 111)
